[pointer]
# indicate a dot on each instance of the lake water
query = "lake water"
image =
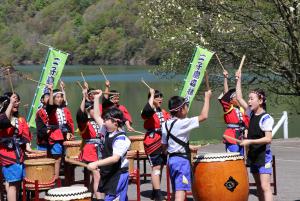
(126, 79)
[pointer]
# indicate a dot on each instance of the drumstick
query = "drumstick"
(220, 62)
(109, 93)
(140, 132)
(143, 81)
(27, 78)
(206, 81)
(82, 76)
(75, 162)
(103, 74)
(79, 85)
(242, 63)
(231, 138)
(10, 82)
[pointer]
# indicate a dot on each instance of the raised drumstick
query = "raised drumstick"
(27, 78)
(220, 62)
(143, 81)
(10, 82)
(103, 74)
(82, 76)
(79, 85)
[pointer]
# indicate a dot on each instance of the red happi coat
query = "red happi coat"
(8, 155)
(126, 114)
(152, 123)
(56, 134)
(89, 152)
(234, 115)
(42, 116)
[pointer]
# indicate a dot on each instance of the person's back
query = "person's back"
(175, 139)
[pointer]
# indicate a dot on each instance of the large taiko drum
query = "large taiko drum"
(137, 143)
(72, 148)
(220, 176)
(74, 193)
(41, 169)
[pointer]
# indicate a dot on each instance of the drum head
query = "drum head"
(68, 193)
(218, 157)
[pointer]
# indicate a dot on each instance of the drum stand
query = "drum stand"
(28, 185)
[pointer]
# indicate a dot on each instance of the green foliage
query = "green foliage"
(92, 31)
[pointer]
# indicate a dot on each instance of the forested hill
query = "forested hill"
(92, 31)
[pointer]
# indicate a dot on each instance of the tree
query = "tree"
(266, 31)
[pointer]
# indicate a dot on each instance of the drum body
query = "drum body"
(220, 176)
(137, 143)
(41, 169)
(74, 193)
(72, 148)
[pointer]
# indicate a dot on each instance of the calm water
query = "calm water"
(126, 79)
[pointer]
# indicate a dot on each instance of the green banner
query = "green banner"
(51, 72)
(195, 75)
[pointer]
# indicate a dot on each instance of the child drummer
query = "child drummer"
(114, 165)
(14, 140)
(60, 124)
(93, 139)
(113, 100)
(235, 118)
(154, 118)
(175, 138)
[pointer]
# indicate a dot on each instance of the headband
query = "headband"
(59, 92)
(179, 107)
(259, 95)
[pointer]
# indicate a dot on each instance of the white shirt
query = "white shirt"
(120, 145)
(181, 130)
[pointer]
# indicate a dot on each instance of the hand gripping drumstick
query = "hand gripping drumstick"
(143, 81)
(103, 74)
(231, 138)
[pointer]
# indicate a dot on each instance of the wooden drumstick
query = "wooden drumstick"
(79, 85)
(242, 62)
(220, 62)
(140, 132)
(143, 81)
(10, 82)
(231, 138)
(82, 76)
(75, 162)
(27, 78)
(206, 81)
(103, 74)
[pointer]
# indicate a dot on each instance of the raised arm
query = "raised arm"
(107, 86)
(204, 112)
(225, 73)
(50, 87)
(97, 114)
(151, 99)
(84, 97)
(62, 88)
(239, 95)
(13, 100)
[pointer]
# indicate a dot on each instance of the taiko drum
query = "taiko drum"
(220, 176)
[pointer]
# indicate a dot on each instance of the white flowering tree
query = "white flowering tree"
(266, 31)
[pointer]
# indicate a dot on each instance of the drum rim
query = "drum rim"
(222, 156)
(39, 161)
(72, 142)
(136, 137)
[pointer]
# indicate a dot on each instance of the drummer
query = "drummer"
(93, 139)
(41, 121)
(60, 124)
(235, 118)
(114, 165)
(175, 139)
(14, 140)
(154, 118)
(113, 100)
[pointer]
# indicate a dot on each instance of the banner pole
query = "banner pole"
(35, 94)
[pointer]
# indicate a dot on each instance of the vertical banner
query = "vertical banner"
(51, 72)
(195, 74)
